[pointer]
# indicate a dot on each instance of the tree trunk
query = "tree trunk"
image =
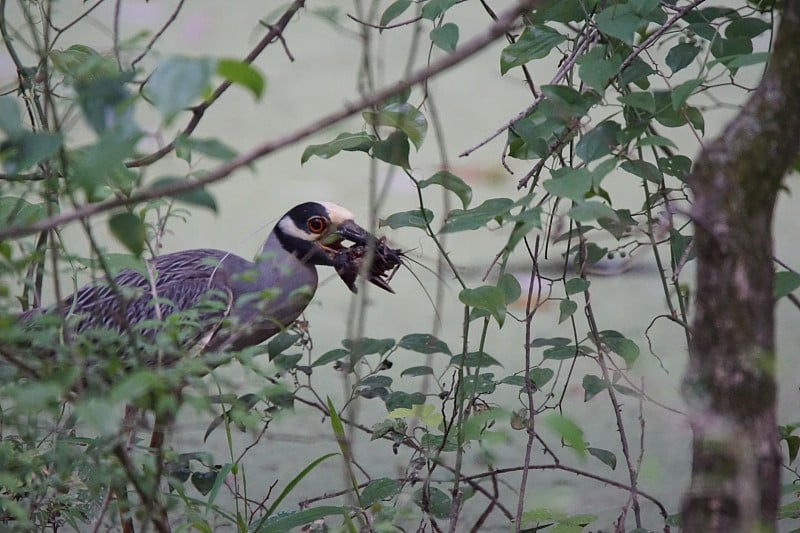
(730, 382)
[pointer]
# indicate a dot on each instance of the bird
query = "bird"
(224, 301)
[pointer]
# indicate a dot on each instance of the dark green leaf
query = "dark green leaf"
(566, 102)
(403, 400)
(434, 8)
(656, 140)
(367, 346)
(198, 196)
(129, 230)
(393, 150)
(793, 445)
(572, 183)
(393, 11)
(592, 386)
(589, 211)
(177, 83)
(378, 490)
(282, 522)
(681, 56)
(423, 343)
(474, 359)
(566, 309)
(452, 183)
(625, 348)
(785, 283)
(640, 100)
(559, 353)
(677, 165)
(445, 36)
(27, 149)
(598, 142)
(403, 117)
(242, 73)
(576, 285)
(331, 356)
(568, 431)
(536, 42)
(281, 342)
(415, 371)
(204, 481)
(471, 219)
(745, 60)
(351, 142)
(488, 298)
(643, 169)
(746, 27)
(605, 456)
(293, 483)
(408, 219)
(552, 341)
(434, 502)
(682, 92)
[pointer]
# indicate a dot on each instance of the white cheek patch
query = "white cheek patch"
(337, 214)
(288, 227)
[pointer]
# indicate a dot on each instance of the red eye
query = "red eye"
(317, 225)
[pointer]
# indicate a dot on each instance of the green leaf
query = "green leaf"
(682, 92)
(619, 21)
(566, 309)
(204, 481)
(536, 42)
(242, 73)
(436, 502)
(488, 298)
(350, 142)
(572, 183)
(576, 285)
(297, 479)
(560, 353)
(595, 69)
(427, 414)
(592, 386)
(10, 121)
(656, 140)
(98, 413)
(588, 211)
(445, 36)
(681, 56)
(379, 490)
(434, 8)
(643, 169)
(281, 342)
(403, 117)
(415, 218)
(368, 345)
(624, 347)
(605, 456)
(598, 142)
(393, 11)
(177, 83)
(510, 287)
(452, 183)
(331, 356)
(477, 217)
(541, 376)
(219, 480)
(677, 165)
(213, 148)
(414, 371)
(568, 431)
(474, 359)
(640, 100)
(785, 283)
(27, 149)
(282, 522)
(129, 230)
(18, 212)
(423, 343)
(393, 150)
(198, 196)
(83, 64)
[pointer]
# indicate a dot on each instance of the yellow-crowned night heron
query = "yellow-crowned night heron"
(239, 303)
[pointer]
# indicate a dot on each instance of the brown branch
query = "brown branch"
(505, 21)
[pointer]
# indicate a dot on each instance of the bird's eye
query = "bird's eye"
(317, 225)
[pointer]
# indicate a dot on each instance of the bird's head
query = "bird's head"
(315, 231)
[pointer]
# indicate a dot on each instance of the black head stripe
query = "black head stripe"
(301, 213)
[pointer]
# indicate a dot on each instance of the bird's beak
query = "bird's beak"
(351, 231)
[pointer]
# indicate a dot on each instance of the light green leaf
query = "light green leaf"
(785, 283)
(426, 413)
(393, 11)
(282, 522)
(572, 183)
(434, 8)
(488, 298)
(438, 503)
(350, 142)
(242, 73)
(214, 148)
(177, 83)
(403, 117)
(591, 210)
(415, 218)
(568, 431)
(452, 183)
(477, 217)
(640, 100)
(10, 121)
(198, 196)
(682, 92)
(536, 42)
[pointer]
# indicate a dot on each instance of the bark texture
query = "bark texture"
(730, 382)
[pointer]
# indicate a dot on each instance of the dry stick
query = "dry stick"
(274, 32)
(474, 45)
